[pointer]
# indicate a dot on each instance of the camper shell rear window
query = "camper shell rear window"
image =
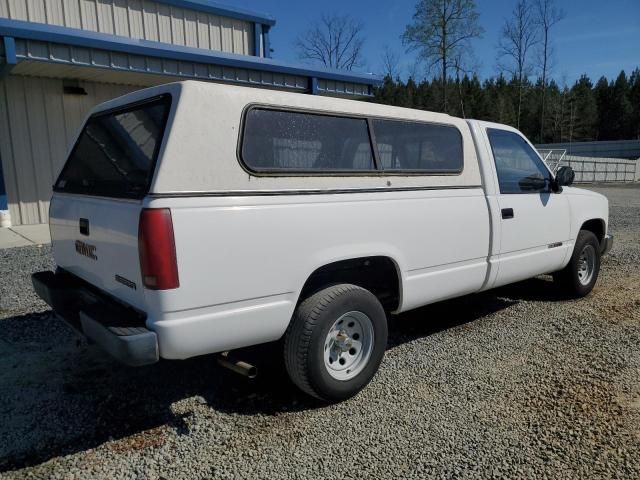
(117, 150)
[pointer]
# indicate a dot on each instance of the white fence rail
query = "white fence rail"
(593, 169)
(553, 157)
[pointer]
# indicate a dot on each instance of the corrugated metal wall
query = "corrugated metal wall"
(38, 124)
(143, 19)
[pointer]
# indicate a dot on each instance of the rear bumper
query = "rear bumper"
(118, 329)
(607, 244)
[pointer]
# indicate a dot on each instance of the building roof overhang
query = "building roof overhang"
(53, 34)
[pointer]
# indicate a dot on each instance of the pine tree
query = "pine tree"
(634, 99)
(586, 110)
(614, 107)
(553, 113)
(603, 101)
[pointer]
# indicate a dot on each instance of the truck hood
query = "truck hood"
(583, 191)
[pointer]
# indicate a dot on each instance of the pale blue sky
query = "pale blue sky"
(596, 37)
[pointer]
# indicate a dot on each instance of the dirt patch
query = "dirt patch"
(616, 298)
(153, 438)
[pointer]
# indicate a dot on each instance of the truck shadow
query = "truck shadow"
(60, 396)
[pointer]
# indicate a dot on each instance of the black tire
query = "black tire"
(568, 279)
(304, 343)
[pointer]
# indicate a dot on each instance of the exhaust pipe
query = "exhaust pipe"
(238, 366)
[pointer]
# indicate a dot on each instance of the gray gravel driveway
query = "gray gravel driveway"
(512, 383)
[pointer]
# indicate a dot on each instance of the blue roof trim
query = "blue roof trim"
(10, 50)
(266, 42)
(257, 35)
(223, 10)
(102, 41)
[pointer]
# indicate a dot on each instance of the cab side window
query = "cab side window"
(520, 169)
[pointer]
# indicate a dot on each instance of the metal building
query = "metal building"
(59, 58)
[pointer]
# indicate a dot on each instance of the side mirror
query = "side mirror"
(564, 177)
(533, 183)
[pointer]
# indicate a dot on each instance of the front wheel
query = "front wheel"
(579, 277)
(335, 342)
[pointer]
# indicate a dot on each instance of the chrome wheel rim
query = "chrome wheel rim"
(348, 345)
(586, 264)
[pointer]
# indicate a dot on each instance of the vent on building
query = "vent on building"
(72, 87)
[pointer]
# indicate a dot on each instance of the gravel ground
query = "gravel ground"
(511, 383)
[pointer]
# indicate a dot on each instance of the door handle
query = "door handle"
(507, 213)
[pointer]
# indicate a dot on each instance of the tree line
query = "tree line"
(606, 110)
(523, 94)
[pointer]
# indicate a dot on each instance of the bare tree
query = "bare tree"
(441, 31)
(547, 16)
(413, 71)
(335, 41)
(461, 71)
(519, 36)
(390, 63)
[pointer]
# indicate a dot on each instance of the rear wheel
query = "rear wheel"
(335, 342)
(579, 277)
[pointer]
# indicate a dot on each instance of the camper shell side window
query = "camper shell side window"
(280, 141)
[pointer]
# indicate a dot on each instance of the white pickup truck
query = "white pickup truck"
(196, 218)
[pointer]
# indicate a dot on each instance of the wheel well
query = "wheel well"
(596, 226)
(379, 275)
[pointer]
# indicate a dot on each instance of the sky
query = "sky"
(596, 37)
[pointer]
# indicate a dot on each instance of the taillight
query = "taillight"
(157, 249)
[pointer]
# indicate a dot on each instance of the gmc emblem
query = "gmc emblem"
(86, 250)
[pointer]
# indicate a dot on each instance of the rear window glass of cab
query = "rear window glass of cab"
(281, 141)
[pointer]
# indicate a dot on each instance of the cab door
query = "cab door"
(533, 219)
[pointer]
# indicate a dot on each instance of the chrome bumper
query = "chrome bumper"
(607, 244)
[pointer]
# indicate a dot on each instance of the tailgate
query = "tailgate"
(97, 240)
(98, 196)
